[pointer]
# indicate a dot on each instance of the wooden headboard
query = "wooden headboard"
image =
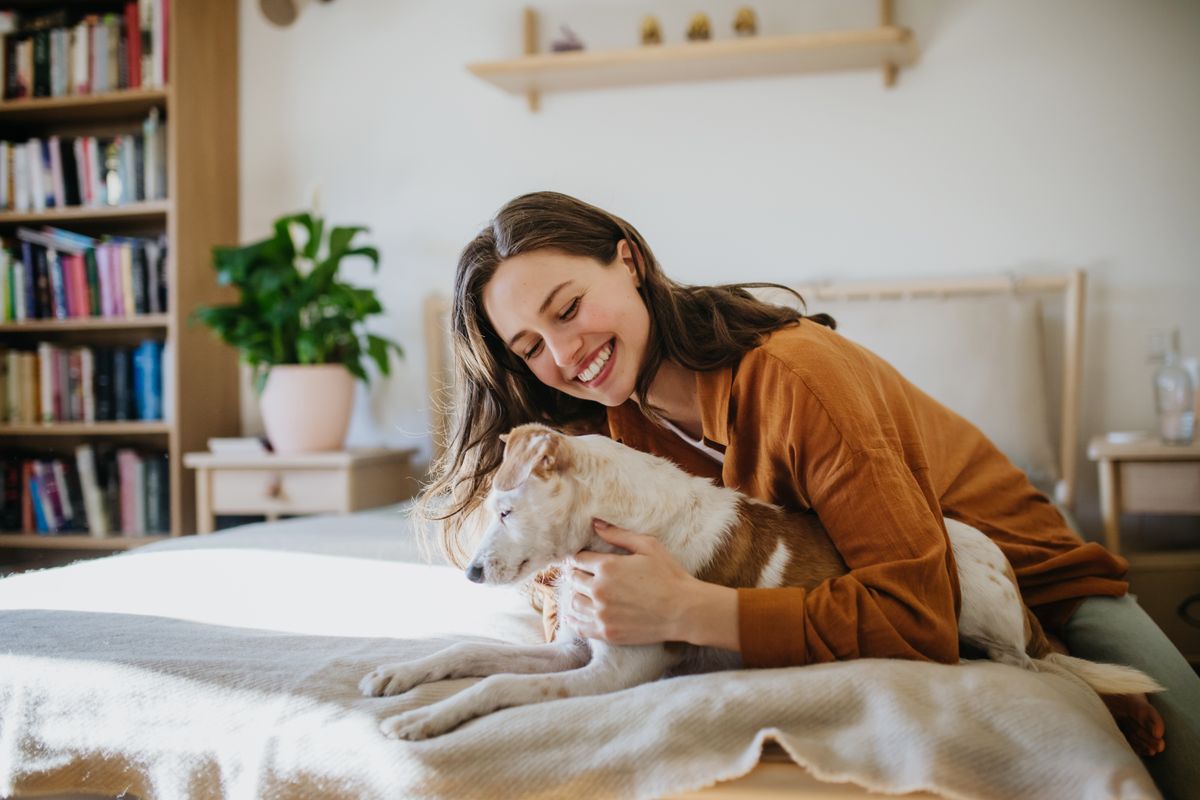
(1065, 309)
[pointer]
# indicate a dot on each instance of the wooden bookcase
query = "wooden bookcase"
(200, 105)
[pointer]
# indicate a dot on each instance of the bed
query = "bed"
(226, 666)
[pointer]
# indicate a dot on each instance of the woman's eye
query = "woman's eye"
(570, 310)
(533, 351)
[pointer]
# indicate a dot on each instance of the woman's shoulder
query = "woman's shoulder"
(806, 350)
(810, 362)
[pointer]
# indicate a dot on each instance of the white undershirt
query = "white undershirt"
(713, 453)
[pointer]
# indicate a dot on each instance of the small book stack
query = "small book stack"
(105, 492)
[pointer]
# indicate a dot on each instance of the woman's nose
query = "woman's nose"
(565, 349)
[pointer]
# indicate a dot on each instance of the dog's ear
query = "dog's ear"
(531, 450)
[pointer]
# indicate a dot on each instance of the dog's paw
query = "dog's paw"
(391, 679)
(416, 725)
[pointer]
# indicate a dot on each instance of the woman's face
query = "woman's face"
(579, 325)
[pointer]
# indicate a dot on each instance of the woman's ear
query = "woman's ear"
(628, 253)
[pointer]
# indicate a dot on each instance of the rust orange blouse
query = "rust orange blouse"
(810, 420)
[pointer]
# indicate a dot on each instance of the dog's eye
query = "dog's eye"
(505, 512)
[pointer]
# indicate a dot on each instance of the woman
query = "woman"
(561, 315)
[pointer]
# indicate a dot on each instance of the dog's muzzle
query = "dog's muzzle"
(475, 573)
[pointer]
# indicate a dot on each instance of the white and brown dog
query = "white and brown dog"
(549, 489)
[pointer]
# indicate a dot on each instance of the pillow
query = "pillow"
(981, 356)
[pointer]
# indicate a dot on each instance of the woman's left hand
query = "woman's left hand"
(639, 598)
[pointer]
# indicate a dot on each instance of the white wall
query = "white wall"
(1031, 136)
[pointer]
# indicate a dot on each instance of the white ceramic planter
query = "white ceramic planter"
(306, 407)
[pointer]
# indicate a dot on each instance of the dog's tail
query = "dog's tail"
(1104, 678)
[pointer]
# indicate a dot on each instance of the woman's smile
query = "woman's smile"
(599, 367)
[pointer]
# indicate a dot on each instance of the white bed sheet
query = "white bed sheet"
(226, 667)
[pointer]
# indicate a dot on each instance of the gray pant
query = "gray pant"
(1117, 630)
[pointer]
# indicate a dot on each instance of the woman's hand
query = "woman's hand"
(647, 596)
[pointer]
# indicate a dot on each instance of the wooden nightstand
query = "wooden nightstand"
(1153, 478)
(310, 483)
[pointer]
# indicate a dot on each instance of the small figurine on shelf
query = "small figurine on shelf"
(698, 29)
(566, 41)
(745, 24)
(651, 32)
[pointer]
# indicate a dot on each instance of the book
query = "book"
(147, 380)
(237, 445)
(93, 498)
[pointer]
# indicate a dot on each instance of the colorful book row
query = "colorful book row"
(104, 492)
(60, 52)
(88, 171)
(82, 384)
(55, 274)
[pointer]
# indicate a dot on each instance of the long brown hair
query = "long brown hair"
(699, 327)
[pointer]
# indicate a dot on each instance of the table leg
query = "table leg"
(205, 522)
(1110, 511)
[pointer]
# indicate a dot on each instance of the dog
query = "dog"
(545, 495)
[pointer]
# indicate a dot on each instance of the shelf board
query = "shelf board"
(84, 107)
(40, 326)
(75, 542)
(86, 429)
(133, 212)
(699, 61)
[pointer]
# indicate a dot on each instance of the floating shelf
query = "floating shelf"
(887, 47)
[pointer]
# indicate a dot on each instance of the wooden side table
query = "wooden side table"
(1144, 477)
(308, 483)
(1154, 478)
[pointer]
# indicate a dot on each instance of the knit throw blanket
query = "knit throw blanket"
(227, 667)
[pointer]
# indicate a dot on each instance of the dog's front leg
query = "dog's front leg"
(473, 660)
(611, 669)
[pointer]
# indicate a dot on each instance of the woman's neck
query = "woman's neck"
(673, 392)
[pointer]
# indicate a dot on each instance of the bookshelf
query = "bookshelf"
(199, 105)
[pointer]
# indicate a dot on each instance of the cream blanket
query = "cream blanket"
(226, 667)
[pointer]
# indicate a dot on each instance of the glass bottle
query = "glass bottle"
(1174, 392)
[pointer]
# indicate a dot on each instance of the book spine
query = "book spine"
(148, 380)
(93, 281)
(87, 379)
(121, 383)
(58, 479)
(74, 358)
(57, 191)
(133, 51)
(127, 468)
(93, 499)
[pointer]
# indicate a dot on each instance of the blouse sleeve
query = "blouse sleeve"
(856, 457)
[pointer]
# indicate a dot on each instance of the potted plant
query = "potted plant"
(301, 330)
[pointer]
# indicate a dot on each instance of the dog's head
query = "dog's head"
(536, 517)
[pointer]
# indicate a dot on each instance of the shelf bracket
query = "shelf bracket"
(887, 20)
(531, 48)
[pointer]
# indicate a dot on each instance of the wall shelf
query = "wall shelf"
(887, 47)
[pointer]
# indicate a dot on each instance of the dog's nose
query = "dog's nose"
(475, 573)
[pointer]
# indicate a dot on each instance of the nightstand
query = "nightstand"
(308, 483)
(1149, 477)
